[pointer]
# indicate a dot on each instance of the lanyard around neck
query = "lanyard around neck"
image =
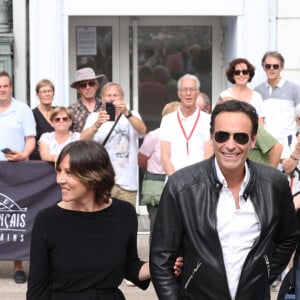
(187, 138)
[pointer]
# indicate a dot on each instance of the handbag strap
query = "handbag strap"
(111, 130)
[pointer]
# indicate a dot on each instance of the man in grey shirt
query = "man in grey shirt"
(280, 98)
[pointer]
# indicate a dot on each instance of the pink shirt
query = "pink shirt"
(151, 149)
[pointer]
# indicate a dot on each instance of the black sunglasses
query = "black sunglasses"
(240, 137)
(274, 66)
(238, 72)
(84, 85)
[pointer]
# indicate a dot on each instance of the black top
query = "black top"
(77, 254)
(42, 126)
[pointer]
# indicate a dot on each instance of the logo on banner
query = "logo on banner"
(12, 220)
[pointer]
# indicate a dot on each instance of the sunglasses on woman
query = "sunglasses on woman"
(238, 72)
(241, 138)
(61, 119)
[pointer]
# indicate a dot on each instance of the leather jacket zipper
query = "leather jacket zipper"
(267, 264)
(195, 270)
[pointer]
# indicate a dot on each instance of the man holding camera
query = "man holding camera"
(118, 129)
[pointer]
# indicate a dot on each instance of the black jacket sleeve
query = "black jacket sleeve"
(165, 245)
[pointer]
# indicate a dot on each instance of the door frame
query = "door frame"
(120, 47)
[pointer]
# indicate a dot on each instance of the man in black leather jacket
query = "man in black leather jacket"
(231, 219)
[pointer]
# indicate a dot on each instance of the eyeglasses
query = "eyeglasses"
(84, 85)
(46, 91)
(240, 137)
(61, 119)
(186, 90)
(238, 72)
(274, 66)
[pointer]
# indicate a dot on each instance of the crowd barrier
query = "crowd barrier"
(25, 188)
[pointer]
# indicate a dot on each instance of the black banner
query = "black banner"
(25, 188)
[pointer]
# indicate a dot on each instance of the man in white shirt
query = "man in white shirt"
(122, 143)
(184, 133)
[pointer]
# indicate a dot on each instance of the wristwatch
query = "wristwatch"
(129, 115)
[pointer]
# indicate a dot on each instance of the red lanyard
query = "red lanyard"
(291, 183)
(191, 133)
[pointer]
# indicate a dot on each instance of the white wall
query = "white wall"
(20, 50)
(47, 44)
(154, 8)
(288, 33)
(250, 35)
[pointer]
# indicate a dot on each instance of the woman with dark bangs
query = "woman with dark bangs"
(83, 246)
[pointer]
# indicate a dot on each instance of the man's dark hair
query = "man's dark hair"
(235, 106)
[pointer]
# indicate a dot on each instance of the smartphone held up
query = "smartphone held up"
(111, 110)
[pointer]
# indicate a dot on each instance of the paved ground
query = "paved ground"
(9, 290)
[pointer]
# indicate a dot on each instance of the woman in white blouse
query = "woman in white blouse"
(239, 72)
(51, 143)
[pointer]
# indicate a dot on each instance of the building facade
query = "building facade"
(52, 38)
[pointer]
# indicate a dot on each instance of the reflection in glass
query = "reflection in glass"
(102, 61)
(165, 54)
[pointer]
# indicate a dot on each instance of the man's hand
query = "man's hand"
(178, 266)
(103, 116)
(297, 202)
(16, 156)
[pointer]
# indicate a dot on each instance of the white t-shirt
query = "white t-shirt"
(16, 123)
(122, 147)
(170, 131)
(279, 104)
(54, 147)
(256, 101)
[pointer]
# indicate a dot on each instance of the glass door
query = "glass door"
(147, 55)
(125, 48)
(94, 42)
(165, 53)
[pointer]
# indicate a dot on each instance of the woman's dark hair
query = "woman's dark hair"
(90, 164)
(235, 106)
(237, 61)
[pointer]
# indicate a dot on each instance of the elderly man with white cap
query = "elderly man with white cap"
(86, 82)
